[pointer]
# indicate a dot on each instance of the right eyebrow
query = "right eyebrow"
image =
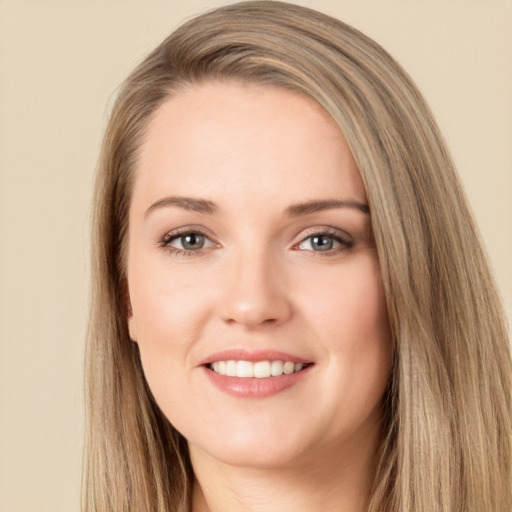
(299, 209)
(192, 204)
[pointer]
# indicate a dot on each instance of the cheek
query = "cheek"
(167, 307)
(167, 328)
(172, 310)
(352, 327)
(350, 308)
(167, 318)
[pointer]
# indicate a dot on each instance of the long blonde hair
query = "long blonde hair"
(448, 430)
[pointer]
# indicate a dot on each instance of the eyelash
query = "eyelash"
(165, 243)
(332, 233)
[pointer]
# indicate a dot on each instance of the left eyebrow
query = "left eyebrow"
(300, 209)
(193, 204)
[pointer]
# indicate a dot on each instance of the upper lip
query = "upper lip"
(252, 355)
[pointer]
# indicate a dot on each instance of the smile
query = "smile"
(258, 369)
(253, 374)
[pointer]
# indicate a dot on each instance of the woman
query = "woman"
(291, 303)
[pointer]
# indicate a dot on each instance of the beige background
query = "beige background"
(60, 63)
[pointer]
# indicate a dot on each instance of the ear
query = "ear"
(132, 328)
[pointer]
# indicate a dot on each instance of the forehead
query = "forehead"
(232, 140)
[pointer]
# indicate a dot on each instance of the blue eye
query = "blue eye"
(321, 242)
(326, 242)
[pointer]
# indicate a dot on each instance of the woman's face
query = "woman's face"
(250, 253)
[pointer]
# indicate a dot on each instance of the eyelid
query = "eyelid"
(325, 230)
(165, 241)
(184, 230)
(345, 240)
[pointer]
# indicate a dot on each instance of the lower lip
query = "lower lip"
(252, 387)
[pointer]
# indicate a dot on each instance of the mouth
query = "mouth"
(253, 374)
(256, 369)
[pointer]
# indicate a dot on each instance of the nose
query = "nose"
(254, 292)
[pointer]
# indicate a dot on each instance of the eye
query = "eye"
(325, 242)
(190, 241)
(319, 243)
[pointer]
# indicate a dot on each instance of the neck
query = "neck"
(306, 486)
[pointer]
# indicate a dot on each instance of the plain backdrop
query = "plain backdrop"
(60, 65)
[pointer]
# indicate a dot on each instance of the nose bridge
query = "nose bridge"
(255, 292)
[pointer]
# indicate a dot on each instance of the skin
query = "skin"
(259, 282)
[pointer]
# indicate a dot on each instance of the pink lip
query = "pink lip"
(254, 388)
(252, 355)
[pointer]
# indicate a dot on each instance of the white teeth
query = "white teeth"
(231, 368)
(259, 370)
(276, 368)
(262, 369)
(288, 368)
(244, 369)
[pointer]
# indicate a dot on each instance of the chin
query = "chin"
(264, 456)
(258, 448)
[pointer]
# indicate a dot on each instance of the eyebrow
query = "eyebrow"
(300, 209)
(192, 204)
(295, 210)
